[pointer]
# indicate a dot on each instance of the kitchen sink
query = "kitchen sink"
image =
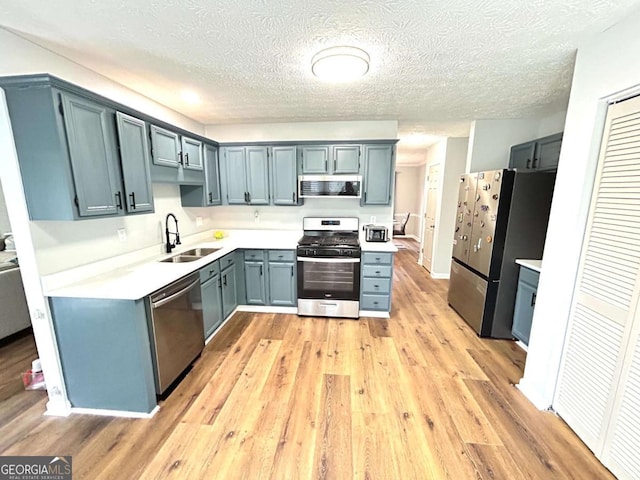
(200, 252)
(190, 255)
(181, 259)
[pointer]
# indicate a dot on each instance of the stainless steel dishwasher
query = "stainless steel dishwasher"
(176, 328)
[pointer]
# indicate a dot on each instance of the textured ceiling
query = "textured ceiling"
(435, 65)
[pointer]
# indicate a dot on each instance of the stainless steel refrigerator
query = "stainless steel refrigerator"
(502, 215)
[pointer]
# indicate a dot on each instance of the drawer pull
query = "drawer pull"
(376, 286)
(533, 299)
(378, 258)
(377, 272)
(375, 303)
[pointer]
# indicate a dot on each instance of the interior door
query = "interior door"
(430, 215)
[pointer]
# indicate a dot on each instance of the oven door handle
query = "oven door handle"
(328, 260)
(175, 295)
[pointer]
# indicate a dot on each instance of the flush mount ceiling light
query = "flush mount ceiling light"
(190, 96)
(340, 64)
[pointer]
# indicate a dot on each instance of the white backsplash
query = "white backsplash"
(63, 245)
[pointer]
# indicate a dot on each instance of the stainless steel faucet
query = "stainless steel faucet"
(170, 246)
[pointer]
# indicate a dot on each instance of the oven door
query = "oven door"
(329, 278)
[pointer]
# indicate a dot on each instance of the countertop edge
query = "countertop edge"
(531, 264)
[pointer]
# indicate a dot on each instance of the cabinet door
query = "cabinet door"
(315, 159)
(211, 304)
(235, 175)
(523, 312)
(92, 150)
(522, 156)
(284, 184)
(192, 153)
(378, 174)
(258, 175)
(282, 282)
(548, 153)
(212, 175)
(229, 291)
(255, 283)
(165, 147)
(346, 159)
(134, 158)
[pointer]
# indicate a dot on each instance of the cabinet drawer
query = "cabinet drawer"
(376, 271)
(529, 276)
(377, 258)
(374, 302)
(227, 260)
(254, 255)
(376, 285)
(209, 271)
(282, 255)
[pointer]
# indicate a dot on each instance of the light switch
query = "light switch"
(122, 234)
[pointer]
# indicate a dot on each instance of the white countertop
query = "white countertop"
(142, 277)
(535, 265)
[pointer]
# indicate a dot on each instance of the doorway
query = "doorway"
(431, 207)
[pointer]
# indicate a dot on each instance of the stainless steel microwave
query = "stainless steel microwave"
(330, 186)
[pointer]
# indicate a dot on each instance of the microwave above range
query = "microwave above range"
(330, 186)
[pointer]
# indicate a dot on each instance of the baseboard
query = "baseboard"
(533, 396)
(115, 413)
(374, 314)
(58, 408)
(440, 276)
(266, 309)
(415, 237)
(522, 345)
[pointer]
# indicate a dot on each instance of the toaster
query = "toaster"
(375, 233)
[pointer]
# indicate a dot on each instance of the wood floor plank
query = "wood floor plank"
(296, 443)
(494, 462)
(333, 456)
(417, 396)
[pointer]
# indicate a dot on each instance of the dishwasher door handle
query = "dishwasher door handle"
(165, 300)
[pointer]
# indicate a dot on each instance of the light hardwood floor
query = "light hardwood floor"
(419, 396)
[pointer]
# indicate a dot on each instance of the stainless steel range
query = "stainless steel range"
(329, 268)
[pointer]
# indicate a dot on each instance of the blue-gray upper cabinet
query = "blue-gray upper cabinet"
(378, 174)
(246, 175)
(165, 147)
(315, 158)
(258, 175)
(330, 159)
(91, 138)
(284, 176)
(176, 158)
(540, 154)
(346, 159)
(212, 175)
(192, 154)
(134, 158)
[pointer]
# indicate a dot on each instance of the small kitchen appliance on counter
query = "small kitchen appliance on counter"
(375, 233)
(329, 268)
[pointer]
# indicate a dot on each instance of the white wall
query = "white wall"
(21, 57)
(490, 141)
(271, 132)
(407, 197)
(606, 67)
(5, 226)
(454, 166)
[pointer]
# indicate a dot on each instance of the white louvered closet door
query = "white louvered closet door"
(598, 348)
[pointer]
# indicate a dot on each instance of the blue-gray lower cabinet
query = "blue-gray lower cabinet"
(229, 289)
(211, 298)
(375, 281)
(105, 353)
(255, 282)
(525, 304)
(282, 283)
(270, 277)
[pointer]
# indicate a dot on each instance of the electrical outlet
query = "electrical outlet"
(122, 234)
(372, 219)
(198, 221)
(256, 216)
